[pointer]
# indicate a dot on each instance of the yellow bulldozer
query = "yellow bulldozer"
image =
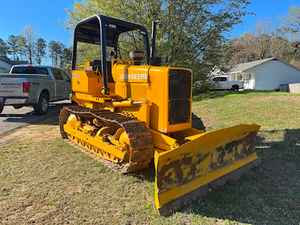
(129, 111)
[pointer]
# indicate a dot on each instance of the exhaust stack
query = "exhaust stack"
(153, 42)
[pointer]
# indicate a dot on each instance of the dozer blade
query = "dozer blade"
(206, 160)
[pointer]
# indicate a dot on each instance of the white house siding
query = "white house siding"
(4, 67)
(246, 77)
(250, 84)
(270, 75)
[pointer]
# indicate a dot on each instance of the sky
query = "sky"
(48, 18)
(270, 12)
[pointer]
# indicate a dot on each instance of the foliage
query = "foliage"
(202, 86)
(293, 20)
(40, 46)
(21, 47)
(29, 44)
(28, 47)
(66, 58)
(21, 50)
(60, 55)
(265, 43)
(87, 52)
(191, 32)
(55, 50)
(261, 45)
(3, 48)
(13, 46)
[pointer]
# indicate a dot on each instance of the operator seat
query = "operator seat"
(137, 56)
(96, 66)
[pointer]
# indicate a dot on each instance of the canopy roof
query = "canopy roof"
(89, 30)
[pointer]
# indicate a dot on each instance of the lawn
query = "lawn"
(43, 180)
(272, 110)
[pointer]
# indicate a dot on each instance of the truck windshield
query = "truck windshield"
(29, 70)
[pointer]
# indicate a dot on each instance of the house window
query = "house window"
(247, 76)
(239, 77)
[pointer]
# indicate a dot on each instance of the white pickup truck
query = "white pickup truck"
(27, 85)
(224, 83)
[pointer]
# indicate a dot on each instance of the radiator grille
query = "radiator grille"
(179, 96)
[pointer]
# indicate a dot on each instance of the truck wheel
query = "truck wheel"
(1, 107)
(43, 104)
(235, 88)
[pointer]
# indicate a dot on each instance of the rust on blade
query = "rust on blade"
(202, 162)
(191, 166)
(196, 195)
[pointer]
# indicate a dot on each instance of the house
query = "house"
(266, 74)
(216, 71)
(4, 65)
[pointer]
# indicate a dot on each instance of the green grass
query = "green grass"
(50, 182)
(272, 110)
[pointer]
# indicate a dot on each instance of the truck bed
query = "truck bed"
(11, 85)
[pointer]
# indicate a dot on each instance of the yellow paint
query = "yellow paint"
(142, 92)
(205, 144)
(86, 82)
(145, 84)
(162, 199)
(163, 142)
(96, 141)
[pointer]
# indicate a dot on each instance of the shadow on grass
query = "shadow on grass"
(268, 194)
(149, 174)
(197, 122)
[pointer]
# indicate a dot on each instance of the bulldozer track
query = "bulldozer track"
(114, 167)
(140, 137)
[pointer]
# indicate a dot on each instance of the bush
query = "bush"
(200, 87)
